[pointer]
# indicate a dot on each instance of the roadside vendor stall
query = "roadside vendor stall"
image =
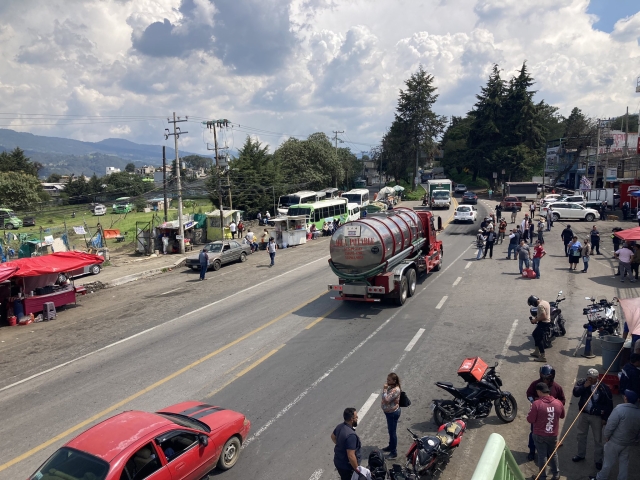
(213, 223)
(34, 281)
(170, 230)
(629, 235)
(290, 231)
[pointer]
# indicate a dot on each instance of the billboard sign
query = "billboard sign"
(612, 174)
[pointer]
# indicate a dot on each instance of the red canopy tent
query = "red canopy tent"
(7, 270)
(60, 262)
(631, 234)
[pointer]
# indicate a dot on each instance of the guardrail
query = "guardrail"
(497, 462)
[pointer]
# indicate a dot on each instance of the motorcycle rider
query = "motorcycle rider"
(542, 323)
(547, 375)
(597, 408)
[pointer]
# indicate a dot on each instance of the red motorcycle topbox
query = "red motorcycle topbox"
(472, 369)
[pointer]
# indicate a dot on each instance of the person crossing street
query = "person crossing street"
(595, 240)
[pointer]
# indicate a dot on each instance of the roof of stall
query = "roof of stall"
(55, 263)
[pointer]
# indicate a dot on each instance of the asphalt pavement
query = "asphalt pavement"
(271, 343)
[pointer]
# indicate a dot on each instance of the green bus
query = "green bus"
(323, 211)
(122, 205)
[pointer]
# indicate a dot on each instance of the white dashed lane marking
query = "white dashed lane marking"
(414, 340)
(457, 281)
(441, 303)
(367, 405)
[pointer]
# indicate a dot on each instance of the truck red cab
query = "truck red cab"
(382, 255)
(508, 203)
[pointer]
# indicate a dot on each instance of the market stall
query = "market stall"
(213, 223)
(33, 281)
(290, 231)
(170, 231)
(629, 235)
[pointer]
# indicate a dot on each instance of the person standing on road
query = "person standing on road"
(597, 408)
(203, 258)
(514, 214)
(624, 256)
(547, 375)
(567, 236)
(524, 226)
(498, 212)
(514, 241)
(390, 402)
(621, 431)
(491, 239)
(165, 243)
(346, 453)
(603, 211)
(575, 249)
(502, 230)
(532, 209)
(259, 217)
(549, 219)
(595, 240)
(635, 261)
(240, 229)
(586, 255)
(272, 246)
(542, 321)
(630, 375)
(480, 239)
(490, 192)
(538, 253)
(232, 228)
(545, 415)
(541, 231)
(524, 254)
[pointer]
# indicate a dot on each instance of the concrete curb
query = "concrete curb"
(146, 273)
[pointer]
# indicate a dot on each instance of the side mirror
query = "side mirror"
(203, 440)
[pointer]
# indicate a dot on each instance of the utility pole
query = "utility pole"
(164, 181)
(176, 134)
(595, 169)
(335, 137)
(212, 126)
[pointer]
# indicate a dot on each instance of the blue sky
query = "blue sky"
(610, 11)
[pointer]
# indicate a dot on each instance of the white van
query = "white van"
(99, 210)
(353, 212)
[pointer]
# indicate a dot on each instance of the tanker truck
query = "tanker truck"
(380, 256)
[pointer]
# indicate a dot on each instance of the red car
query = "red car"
(181, 442)
(507, 203)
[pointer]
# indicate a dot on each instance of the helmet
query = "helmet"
(547, 371)
(533, 301)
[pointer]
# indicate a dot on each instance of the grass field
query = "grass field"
(52, 221)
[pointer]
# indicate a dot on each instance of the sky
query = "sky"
(95, 69)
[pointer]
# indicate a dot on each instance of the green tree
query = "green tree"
(415, 110)
(620, 123)
(19, 190)
(95, 185)
(122, 183)
(17, 161)
(197, 161)
(454, 144)
(54, 178)
(553, 122)
(130, 167)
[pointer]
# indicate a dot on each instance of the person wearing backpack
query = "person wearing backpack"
(491, 238)
(390, 402)
(480, 239)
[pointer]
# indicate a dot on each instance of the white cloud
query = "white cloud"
(299, 66)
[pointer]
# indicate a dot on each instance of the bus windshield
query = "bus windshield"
(297, 210)
(288, 200)
(353, 197)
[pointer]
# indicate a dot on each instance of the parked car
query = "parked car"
(181, 442)
(89, 270)
(470, 197)
(29, 222)
(465, 213)
(460, 188)
(553, 197)
(99, 209)
(507, 203)
(571, 211)
(221, 253)
(579, 199)
(8, 219)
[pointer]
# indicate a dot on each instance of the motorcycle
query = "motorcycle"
(602, 316)
(475, 400)
(557, 328)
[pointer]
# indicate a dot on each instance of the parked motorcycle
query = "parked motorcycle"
(557, 327)
(602, 316)
(476, 399)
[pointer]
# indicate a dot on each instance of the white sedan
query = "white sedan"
(465, 213)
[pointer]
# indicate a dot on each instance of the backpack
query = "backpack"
(377, 465)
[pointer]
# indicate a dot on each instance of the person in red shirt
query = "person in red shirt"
(538, 253)
(547, 375)
(545, 415)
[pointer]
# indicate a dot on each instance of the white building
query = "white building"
(111, 170)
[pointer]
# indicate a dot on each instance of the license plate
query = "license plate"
(433, 406)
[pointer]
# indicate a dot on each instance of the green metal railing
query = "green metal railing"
(497, 462)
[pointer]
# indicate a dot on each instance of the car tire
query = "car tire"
(230, 453)
(243, 257)
(95, 269)
(556, 217)
(590, 217)
(10, 226)
(216, 265)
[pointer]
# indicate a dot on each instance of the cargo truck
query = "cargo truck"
(439, 193)
(382, 255)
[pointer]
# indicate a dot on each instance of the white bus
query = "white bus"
(357, 195)
(285, 201)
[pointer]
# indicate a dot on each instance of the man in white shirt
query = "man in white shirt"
(524, 225)
(271, 248)
(624, 261)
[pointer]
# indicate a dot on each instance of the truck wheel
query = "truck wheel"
(403, 291)
(439, 266)
(412, 280)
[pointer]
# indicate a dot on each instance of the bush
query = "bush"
(140, 204)
(467, 179)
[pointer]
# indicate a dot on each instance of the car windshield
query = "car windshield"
(464, 209)
(214, 248)
(460, 185)
(469, 194)
(70, 463)
(185, 421)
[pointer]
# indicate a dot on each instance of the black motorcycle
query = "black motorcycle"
(475, 400)
(557, 327)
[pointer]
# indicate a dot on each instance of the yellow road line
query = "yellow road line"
(246, 370)
(151, 387)
(320, 318)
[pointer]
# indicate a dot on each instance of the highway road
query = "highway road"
(270, 343)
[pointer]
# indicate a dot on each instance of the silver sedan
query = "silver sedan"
(221, 253)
